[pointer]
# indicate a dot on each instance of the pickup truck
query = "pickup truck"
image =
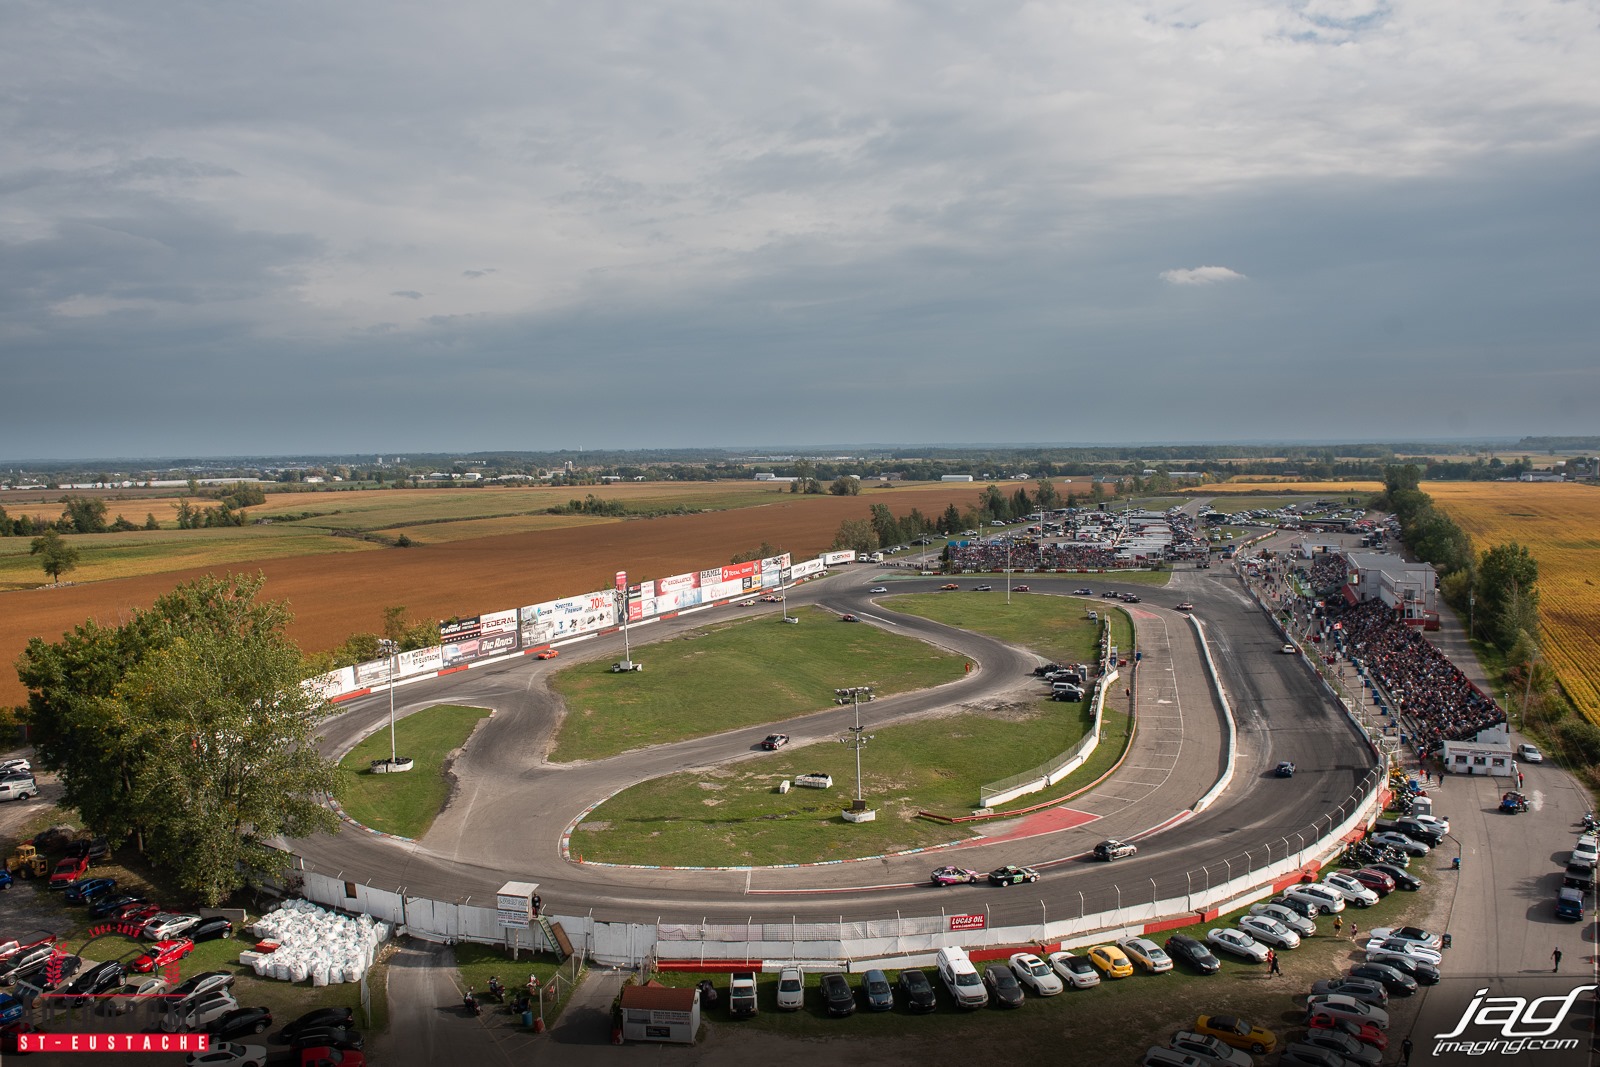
(742, 994)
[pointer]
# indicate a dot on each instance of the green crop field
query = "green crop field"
(723, 677)
(406, 804)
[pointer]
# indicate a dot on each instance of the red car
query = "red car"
(548, 653)
(1366, 1033)
(323, 1056)
(1020, 589)
(948, 586)
(135, 919)
(68, 871)
(163, 954)
(1375, 880)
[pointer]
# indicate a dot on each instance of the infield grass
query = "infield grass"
(406, 804)
(730, 675)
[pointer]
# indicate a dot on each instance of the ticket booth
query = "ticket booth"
(653, 1012)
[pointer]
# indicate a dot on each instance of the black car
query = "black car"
(209, 929)
(321, 1017)
(914, 991)
(104, 906)
(1398, 983)
(101, 978)
(837, 996)
(1402, 878)
(1004, 989)
(1424, 973)
(239, 1022)
(1046, 668)
(95, 848)
(338, 1037)
(1192, 952)
(1012, 875)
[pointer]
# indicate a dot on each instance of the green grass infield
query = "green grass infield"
(406, 804)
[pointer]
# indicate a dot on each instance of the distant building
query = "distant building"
(1410, 588)
(652, 1012)
(955, 477)
(1541, 476)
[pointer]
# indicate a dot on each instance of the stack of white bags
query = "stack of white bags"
(315, 943)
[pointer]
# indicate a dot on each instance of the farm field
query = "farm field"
(1560, 525)
(337, 586)
(1348, 488)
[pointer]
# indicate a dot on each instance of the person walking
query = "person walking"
(1355, 929)
(1405, 1052)
(1272, 963)
(1555, 957)
(1338, 926)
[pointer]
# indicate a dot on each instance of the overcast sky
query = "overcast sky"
(294, 227)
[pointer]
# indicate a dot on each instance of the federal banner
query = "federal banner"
(555, 620)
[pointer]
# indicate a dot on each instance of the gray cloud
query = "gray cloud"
(732, 209)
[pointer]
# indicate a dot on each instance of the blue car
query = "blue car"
(89, 889)
(5, 879)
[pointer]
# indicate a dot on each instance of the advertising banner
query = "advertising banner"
(844, 555)
(421, 661)
(742, 571)
(458, 652)
(966, 922)
(459, 629)
(498, 622)
(676, 593)
(806, 568)
(371, 674)
(540, 624)
(772, 569)
(497, 644)
(334, 683)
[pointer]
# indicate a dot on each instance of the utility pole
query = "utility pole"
(857, 740)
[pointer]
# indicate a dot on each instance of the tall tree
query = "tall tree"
(950, 521)
(845, 485)
(885, 525)
(1046, 496)
(55, 555)
(1507, 593)
(856, 535)
(188, 728)
(84, 514)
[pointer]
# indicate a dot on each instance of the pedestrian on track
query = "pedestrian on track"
(1555, 957)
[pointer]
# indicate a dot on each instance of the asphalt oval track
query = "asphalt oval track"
(510, 811)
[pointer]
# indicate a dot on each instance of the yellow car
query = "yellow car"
(1110, 961)
(1231, 1030)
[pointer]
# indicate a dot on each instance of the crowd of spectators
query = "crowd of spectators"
(1328, 574)
(1032, 556)
(1438, 702)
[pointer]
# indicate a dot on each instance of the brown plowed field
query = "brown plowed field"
(334, 596)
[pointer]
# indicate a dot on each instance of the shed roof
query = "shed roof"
(658, 998)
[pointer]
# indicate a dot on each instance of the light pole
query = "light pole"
(856, 739)
(393, 648)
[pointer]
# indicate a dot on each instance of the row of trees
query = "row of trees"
(81, 515)
(882, 528)
(186, 732)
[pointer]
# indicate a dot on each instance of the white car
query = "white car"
(1380, 949)
(1324, 898)
(1209, 1050)
(1237, 943)
(791, 989)
(1077, 971)
(1352, 890)
(1035, 975)
(1529, 754)
(1586, 851)
(1431, 822)
(1266, 928)
(1147, 954)
(878, 589)
(166, 926)
(229, 1055)
(1289, 650)
(1425, 938)
(1287, 916)
(1339, 1006)
(195, 1012)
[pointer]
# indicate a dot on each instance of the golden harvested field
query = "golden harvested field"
(1560, 524)
(336, 586)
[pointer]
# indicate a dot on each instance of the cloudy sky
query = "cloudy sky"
(231, 228)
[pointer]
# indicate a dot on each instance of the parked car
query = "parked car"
(1209, 1050)
(1363, 989)
(1396, 981)
(1343, 1007)
(1012, 875)
(1392, 839)
(240, 1021)
(1237, 1033)
(915, 992)
(1162, 1056)
(1035, 974)
(837, 997)
(1113, 849)
(229, 1055)
(1110, 961)
(68, 870)
(791, 989)
(1437, 824)
(1366, 1033)
(207, 981)
(139, 992)
(314, 1018)
(195, 1012)
(954, 876)
(97, 980)
(103, 907)
(323, 1056)
(1237, 943)
(338, 1037)
(1076, 971)
(1403, 879)
(773, 742)
(167, 925)
(876, 993)
(1385, 950)
(1294, 920)
(210, 928)
(88, 890)
(1529, 753)
(1415, 934)
(1326, 900)
(1147, 954)
(1340, 1043)
(1380, 882)
(1425, 973)
(1302, 1054)
(27, 958)
(1586, 851)
(1307, 908)
(1004, 989)
(1192, 952)
(1269, 931)
(1352, 891)
(164, 953)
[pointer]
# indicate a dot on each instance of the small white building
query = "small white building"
(1482, 755)
(1410, 588)
(653, 1012)
(955, 477)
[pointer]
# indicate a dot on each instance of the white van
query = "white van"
(961, 978)
(18, 787)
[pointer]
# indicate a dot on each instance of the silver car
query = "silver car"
(1287, 916)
